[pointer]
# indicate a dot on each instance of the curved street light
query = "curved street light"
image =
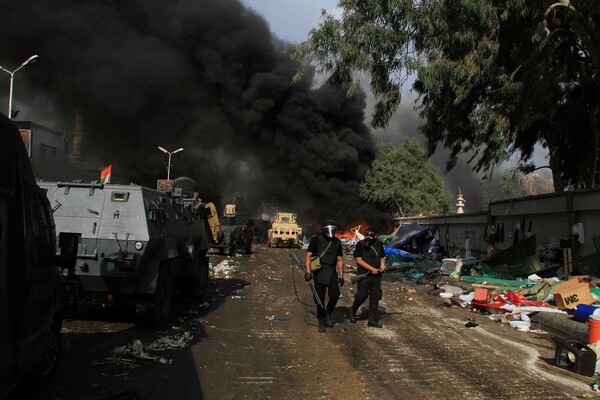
(170, 153)
(30, 60)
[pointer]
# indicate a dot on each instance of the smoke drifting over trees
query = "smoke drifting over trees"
(204, 75)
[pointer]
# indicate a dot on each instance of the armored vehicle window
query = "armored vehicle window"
(119, 196)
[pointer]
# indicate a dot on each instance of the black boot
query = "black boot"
(352, 316)
(322, 327)
(329, 321)
(373, 323)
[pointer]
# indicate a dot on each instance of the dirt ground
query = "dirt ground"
(259, 340)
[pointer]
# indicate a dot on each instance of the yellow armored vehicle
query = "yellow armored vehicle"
(284, 232)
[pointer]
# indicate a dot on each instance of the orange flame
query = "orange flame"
(360, 227)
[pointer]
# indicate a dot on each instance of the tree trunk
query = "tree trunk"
(554, 163)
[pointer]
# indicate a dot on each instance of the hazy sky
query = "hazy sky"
(292, 19)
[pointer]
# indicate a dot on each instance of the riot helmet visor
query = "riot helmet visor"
(329, 229)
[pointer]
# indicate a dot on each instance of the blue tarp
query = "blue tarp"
(402, 253)
(407, 233)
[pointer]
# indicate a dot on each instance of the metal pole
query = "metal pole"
(169, 168)
(12, 74)
(10, 95)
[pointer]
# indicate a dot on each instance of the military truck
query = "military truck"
(233, 237)
(284, 232)
(31, 306)
(137, 246)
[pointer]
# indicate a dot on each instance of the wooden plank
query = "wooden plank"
(492, 287)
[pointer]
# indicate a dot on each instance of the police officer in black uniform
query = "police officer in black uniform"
(330, 277)
(370, 257)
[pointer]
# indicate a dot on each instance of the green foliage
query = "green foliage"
(404, 181)
(511, 183)
(494, 77)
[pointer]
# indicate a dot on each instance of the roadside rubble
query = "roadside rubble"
(135, 350)
(224, 270)
(511, 287)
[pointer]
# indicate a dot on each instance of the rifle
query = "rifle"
(294, 256)
(360, 277)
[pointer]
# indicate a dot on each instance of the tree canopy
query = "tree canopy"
(493, 77)
(404, 182)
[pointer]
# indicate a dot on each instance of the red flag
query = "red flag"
(105, 175)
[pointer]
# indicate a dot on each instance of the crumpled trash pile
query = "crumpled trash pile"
(224, 270)
(509, 306)
(136, 350)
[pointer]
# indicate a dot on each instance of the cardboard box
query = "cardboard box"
(572, 292)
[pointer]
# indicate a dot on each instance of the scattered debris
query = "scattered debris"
(274, 318)
(224, 270)
(127, 355)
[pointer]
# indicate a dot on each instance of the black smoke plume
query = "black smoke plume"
(207, 76)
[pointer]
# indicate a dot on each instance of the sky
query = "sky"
(291, 20)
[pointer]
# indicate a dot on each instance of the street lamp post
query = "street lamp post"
(170, 153)
(30, 60)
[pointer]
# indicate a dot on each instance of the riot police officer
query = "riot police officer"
(329, 277)
(370, 257)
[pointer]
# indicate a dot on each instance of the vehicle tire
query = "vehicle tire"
(47, 366)
(157, 312)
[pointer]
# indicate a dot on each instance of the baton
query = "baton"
(294, 256)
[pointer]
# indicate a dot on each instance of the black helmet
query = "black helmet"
(328, 228)
(370, 232)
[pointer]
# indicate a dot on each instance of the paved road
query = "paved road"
(424, 350)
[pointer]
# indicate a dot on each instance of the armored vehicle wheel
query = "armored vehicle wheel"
(157, 312)
(48, 364)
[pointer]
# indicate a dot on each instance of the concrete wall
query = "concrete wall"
(549, 216)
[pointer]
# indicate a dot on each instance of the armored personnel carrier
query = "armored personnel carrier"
(284, 232)
(136, 244)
